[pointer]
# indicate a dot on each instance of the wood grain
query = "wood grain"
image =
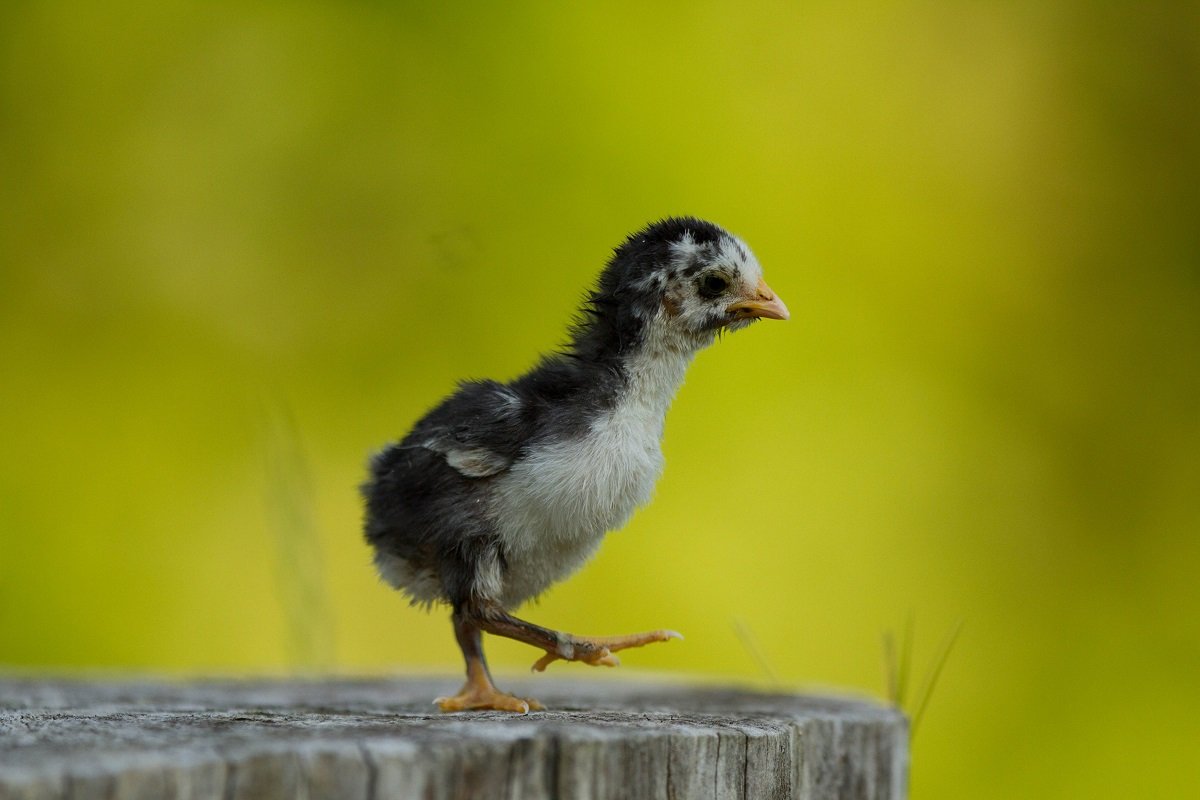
(383, 739)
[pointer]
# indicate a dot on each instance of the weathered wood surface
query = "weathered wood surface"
(383, 739)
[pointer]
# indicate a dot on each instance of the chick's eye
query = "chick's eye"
(713, 285)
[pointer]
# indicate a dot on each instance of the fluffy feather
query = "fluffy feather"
(504, 489)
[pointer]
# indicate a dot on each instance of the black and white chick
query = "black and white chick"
(504, 489)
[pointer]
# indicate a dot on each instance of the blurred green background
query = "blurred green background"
(244, 244)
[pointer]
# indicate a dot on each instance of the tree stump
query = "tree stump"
(368, 739)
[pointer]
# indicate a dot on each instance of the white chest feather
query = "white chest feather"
(556, 504)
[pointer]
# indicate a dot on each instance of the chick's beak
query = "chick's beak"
(763, 304)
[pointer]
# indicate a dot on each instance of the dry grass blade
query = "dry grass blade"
(935, 672)
(750, 642)
(300, 562)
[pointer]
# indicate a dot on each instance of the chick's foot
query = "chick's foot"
(598, 650)
(477, 697)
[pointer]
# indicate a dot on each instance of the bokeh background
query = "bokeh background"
(243, 244)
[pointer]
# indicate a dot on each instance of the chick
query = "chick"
(504, 489)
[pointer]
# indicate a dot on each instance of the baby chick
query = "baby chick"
(504, 489)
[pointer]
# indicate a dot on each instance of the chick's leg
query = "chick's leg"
(479, 693)
(594, 650)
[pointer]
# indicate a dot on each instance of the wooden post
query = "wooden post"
(368, 739)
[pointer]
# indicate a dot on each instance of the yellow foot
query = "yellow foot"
(598, 650)
(479, 698)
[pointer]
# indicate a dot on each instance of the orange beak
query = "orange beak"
(764, 304)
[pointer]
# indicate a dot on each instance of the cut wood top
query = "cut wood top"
(377, 738)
